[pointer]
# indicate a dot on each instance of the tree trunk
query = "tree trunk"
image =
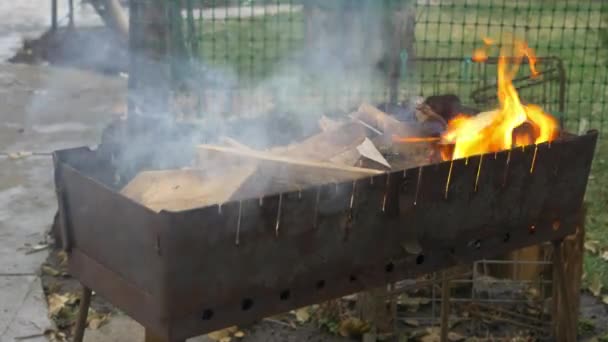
(113, 16)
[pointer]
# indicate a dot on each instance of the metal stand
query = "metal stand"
(567, 258)
(54, 14)
(83, 312)
(445, 306)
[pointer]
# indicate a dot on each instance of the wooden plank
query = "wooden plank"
(209, 152)
(379, 119)
(289, 173)
(235, 143)
(327, 124)
(389, 125)
(176, 190)
(327, 144)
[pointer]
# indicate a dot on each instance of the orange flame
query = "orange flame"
(415, 139)
(501, 129)
(481, 55)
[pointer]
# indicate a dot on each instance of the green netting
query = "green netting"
(569, 30)
(242, 43)
(299, 57)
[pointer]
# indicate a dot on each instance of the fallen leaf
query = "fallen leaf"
(302, 315)
(424, 301)
(54, 335)
(37, 248)
(239, 334)
(48, 270)
(455, 337)
(412, 246)
(605, 300)
(62, 256)
(411, 322)
(221, 334)
(432, 335)
(350, 298)
(596, 286)
(56, 303)
(20, 155)
(385, 337)
(96, 320)
(533, 292)
(28, 337)
(592, 246)
(413, 303)
(604, 255)
(353, 327)
(532, 311)
(418, 333)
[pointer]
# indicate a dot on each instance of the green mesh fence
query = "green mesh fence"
(242, 43)
(299, 57)
(570, 30)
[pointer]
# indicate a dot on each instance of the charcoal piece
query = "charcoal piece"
(448, 106)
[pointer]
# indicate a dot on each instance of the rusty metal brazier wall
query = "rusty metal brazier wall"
(181, 274)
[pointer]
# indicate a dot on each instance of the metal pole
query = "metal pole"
(54, 14)
(83, 312)
(133, 72)
(71, 12)
(445, 307)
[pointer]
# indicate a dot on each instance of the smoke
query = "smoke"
(334, 70)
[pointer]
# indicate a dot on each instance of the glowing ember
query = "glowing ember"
(513, 124)
(415, 139)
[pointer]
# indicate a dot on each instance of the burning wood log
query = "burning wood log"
(448, 106)
(424, 113)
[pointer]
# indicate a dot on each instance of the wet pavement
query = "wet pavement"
(42, 109)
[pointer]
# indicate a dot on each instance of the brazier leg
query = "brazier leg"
(150, 337)
(445, 306)
(83, 312)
